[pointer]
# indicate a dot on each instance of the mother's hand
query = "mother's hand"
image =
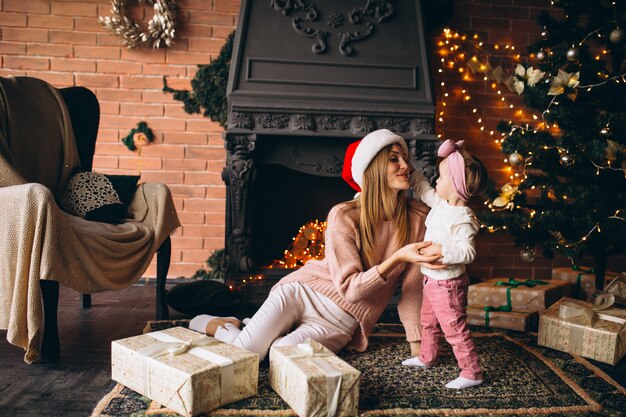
(416, 253)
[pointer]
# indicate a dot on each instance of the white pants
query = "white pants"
(295, 312)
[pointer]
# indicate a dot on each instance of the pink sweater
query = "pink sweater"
(341, 275)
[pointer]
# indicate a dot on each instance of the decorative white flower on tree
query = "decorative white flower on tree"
(525, 76)
(562, 80)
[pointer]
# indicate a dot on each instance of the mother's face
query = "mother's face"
(398, 169)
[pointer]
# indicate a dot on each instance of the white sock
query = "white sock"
(200, 322)
(462, 383)
(246, 321)
(415, 362)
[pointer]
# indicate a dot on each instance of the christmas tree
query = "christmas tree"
(568, 191)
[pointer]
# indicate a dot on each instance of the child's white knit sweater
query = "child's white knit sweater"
(452, 227)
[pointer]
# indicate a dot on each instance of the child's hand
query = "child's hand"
(432, 250)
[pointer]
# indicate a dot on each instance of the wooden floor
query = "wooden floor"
(74, 385)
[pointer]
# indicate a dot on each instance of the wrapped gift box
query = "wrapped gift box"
(314, 381)
(582, 278)
(510, 320)
(597, 335)
(523, 298)
(617, 287)
(200, 374)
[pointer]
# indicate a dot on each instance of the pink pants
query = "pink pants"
(443, 309)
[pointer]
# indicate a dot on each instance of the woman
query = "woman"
(370, 247)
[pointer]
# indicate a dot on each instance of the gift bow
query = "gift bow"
(173, 346)
(315, 352)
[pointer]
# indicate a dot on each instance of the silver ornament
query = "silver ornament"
(541, 55)
(606, 131)
(572, 54)
(527, 254)
(616, 35)
(566, 160)
(515, 158)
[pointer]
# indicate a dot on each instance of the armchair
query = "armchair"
(45, 135)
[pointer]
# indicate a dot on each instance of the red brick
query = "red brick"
(157, 97)
(212, 18)
(189, 58)
(4, 72)
(183, 164)
(216, 140)
(215, 218)
(109, 107)
(222, 32)
(12, 19)
(204, 178)
(119, 67)
(140, 82)
(30, 6)
(136, 163)
(203, 231)
(103, 52)
(510, 272)
(12, 48)
(166, 124)
(203, 125)
(227, 6)
(187, 243)
(165, 151)
(212, 45)
(73, 65)
(116, 148)
(27, 63)
(179, 83)
(74, 9)
(97, 80)
(176, 110)
(206, 205)
(204, 152)
(165, 177)
(195, 4)
(142, 110)
(190, 217)
(50, 22)
(57, 79)
(191, 255)
(118, 95)
(108, 39)
(72, 37)
(102, 161)
(216, 191)
(152, 56)
(161, 69)
(186, 191)
(46, 49)
(186, 138)
(192, 31)
(182, 270)
(213, 243)
(24, 34)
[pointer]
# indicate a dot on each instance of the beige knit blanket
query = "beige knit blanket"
(40, 241)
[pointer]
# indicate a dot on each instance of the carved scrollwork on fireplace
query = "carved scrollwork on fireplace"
(330, 165)
(422, 126)
(378, 9)
(273, 121)
(424, 153)
(395, 125)
(302, 122)
(239, 120)
(239, 164)
(333, 123)
(361, 124)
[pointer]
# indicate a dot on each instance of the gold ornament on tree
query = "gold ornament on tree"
(616, 36)
(515, 158)
(527, 254)
(566, 159)
(572, 54)
(160, 31)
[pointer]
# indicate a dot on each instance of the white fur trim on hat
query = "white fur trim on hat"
(369, 147)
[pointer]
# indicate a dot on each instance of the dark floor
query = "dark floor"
(73, 386)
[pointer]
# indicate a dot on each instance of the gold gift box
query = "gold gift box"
(602, 339)
(510, 320)
(201, 376)
(523, 298)
(314, 381)
(617, 287)
(583, 280)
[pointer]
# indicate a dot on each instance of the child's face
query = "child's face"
(398, 169)
(445, 187)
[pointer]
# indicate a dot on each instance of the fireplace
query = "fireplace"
(307, 79)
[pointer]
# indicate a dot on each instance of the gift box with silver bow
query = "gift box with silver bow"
(592, 330)
(314, 381)
(184, 371)
(583, 279)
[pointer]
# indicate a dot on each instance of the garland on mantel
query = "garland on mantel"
(160, 31)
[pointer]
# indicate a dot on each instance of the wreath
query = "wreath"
(160, 30)
(138, 137)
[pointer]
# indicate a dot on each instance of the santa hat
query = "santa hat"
(360, 153)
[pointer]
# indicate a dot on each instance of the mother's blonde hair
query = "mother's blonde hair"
(379, 202)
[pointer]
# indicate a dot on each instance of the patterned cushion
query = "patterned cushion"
(99, 197)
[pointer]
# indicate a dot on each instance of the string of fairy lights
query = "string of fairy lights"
(455, 50)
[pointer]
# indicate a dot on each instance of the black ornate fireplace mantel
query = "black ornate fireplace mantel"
(307, 78)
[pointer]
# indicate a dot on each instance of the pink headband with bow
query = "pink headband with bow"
(456, 165)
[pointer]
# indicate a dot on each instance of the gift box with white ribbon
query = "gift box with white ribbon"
(592, 330)
(184, 371)
(314, 381)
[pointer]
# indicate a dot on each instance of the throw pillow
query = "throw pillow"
(99, 197)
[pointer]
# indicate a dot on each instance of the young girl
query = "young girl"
(372, 244)
(451, 226)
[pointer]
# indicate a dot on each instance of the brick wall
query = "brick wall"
(61, 42)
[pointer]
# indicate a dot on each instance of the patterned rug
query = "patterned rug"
(521, 379)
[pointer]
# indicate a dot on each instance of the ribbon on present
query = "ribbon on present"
(510, 284)
(315, 352)
(579, 277)
(170, 345)
(586, 316)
